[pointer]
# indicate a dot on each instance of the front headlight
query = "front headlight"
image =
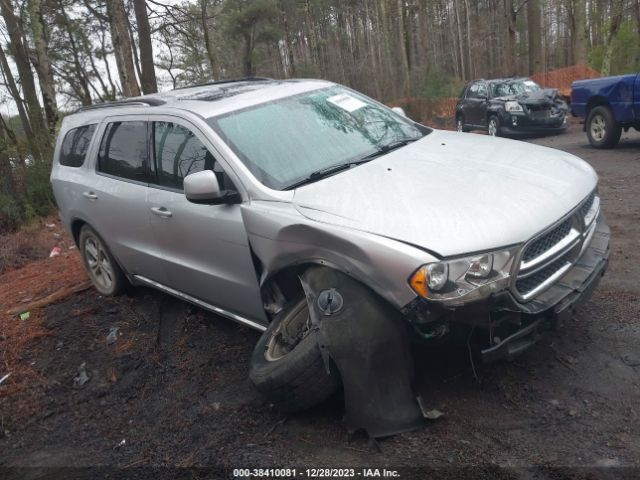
(464, 279)
(512, 106)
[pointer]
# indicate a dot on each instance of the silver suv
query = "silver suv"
(337, 226)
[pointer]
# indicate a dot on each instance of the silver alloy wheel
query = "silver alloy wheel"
(291, 331)
(598, 127)
(459, 124)
(100, 267)
(492, 128)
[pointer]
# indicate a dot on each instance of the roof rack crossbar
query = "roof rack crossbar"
(154, 102)
(230, 80)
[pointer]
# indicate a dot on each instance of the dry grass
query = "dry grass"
(32, 242)
(25, 281)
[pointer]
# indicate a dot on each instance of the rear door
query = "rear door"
(205, 249)
(114, 196)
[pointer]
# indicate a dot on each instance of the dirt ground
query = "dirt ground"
(172, 390)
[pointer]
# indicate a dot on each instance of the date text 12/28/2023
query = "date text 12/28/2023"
(315, 473)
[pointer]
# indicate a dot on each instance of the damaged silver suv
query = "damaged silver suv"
(337, 226)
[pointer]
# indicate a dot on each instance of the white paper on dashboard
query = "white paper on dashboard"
(346, 102)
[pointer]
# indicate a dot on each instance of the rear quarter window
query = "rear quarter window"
(75, 146)
(124, 151)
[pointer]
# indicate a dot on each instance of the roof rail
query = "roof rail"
(149, 102)
(230, 80)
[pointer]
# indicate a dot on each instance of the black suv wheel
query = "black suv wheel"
(493, 126)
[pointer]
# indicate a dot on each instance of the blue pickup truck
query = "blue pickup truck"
(609, 105)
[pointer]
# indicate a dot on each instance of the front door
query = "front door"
(205, 249)
(478, 104)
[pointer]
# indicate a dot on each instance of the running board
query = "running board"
(200, 303)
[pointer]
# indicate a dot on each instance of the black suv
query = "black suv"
(509, 106)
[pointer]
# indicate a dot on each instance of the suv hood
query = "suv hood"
(544, 97)
(453, 193)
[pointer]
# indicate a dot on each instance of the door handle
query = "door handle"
(161, 212)
(90, 195)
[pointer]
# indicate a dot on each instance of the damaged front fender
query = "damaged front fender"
(280, 237)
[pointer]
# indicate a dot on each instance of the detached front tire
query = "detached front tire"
(602, 129)
(287, 366)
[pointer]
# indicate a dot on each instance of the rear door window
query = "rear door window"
(75, 146)
(124, 151)
(178, 153)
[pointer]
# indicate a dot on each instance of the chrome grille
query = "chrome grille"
(528, 284)
(548, 240)
(545, 258)
(586, 206)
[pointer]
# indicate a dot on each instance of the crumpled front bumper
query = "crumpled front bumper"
(575, 286)
(522, 124)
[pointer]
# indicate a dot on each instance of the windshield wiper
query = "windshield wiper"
(333, 169)
(326, 172)
(382, 149)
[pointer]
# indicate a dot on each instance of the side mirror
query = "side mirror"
(202, 187)
(400, 111)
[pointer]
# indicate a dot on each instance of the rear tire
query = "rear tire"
(105, 273)
(295, 379)
(602, 129)
(460, 124)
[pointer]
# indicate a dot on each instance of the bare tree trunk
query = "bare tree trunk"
(7, 182)
(77, 79)
(208, 43)
(510, 46)
(534, 28)
(577, 21)
(637, 12)
(616, 20)
(469, 58)
(148, 73)
(134, 52)
(402, 37)
(465, 73)
(122, 47)
(43, 64)
(249, 67)
(103, 53)
(287, 38)
(41, 145)
(15, 94)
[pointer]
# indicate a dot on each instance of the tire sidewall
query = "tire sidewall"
(263, 368)
(612, 130)
(494, 117)
(87, 233)
(298, 380)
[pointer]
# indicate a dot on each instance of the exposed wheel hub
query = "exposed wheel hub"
(330, 301)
